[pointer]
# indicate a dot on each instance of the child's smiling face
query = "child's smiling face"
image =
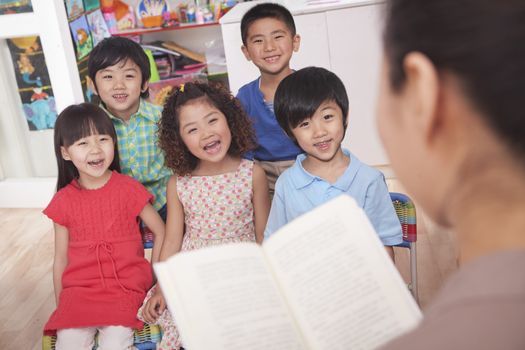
(321, 135)
(270, 45)
(204, 130)
(92, 156)
(119, 87)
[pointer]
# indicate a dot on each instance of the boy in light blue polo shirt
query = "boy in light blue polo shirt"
(311, 106)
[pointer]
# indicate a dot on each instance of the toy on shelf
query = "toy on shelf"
(220, 7)
(118, 15)
(190, 14)
(125, 15)
(152, 12)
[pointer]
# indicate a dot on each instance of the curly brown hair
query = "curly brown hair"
(178, 157)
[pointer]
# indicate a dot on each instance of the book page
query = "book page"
(225, 298)
(340, 283)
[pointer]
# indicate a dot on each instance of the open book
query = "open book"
(324, 281)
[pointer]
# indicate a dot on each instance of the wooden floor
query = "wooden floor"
(26, 286)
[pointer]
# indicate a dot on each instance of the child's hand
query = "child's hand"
(154, 307)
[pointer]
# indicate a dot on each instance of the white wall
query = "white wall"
(27, 157)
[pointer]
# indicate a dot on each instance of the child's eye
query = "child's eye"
(257, 41)
(192, 130)
(81, 143)
(328, 117)
(130, 76)
(107, 77)
(304, 124)
(279, 36)
(105, 138)
(212, 121)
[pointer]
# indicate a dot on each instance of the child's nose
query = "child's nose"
(119, 83)
(206, 133)
(95, 147)
(319, 130)
(269, 45)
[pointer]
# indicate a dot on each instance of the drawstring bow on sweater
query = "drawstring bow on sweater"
(108, 248)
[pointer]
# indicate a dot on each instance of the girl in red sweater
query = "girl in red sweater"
(99, 272)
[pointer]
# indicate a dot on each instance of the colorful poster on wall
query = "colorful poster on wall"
(15, 6)
(33, 82)
(80, 31)
(98, 27)
(85, 81)
(90, 5)
(74, 8)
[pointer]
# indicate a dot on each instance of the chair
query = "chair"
(147, 237)
(406, 213)
(145, 339)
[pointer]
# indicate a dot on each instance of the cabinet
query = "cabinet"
(342, 36)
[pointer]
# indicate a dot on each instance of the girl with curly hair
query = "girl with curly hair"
(216, 197)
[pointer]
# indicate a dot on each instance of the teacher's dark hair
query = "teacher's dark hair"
(481, 42)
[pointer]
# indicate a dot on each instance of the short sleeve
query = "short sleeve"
(380, 211)
(138, 196)
(56, 211)
(241, 96)
(277, 216)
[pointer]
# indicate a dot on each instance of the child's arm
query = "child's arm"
(171, 245)
(60, 259)
(277, 217)
(154, 222)
(390, 252)
(174, 223)
(378, 206)
(261, 202)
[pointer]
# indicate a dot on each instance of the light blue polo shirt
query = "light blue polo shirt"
(297, 192)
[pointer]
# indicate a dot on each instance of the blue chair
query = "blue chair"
(406, 213)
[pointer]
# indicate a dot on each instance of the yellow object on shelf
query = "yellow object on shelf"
(152, 21)
(153, 67)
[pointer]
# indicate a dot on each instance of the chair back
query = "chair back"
(147, 237)
(406, 213)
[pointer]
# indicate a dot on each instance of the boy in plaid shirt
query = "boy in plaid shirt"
(120, 72)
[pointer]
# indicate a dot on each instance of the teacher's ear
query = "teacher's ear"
(421, 91)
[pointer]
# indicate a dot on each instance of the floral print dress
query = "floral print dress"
(218, 209)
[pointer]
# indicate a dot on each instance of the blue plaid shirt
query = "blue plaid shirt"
(140, 154)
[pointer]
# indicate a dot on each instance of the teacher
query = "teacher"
(451, 114)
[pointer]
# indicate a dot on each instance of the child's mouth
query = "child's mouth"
(96, 163)
(323, 146)
(120, 97)
(272, 59)
(212, 147)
